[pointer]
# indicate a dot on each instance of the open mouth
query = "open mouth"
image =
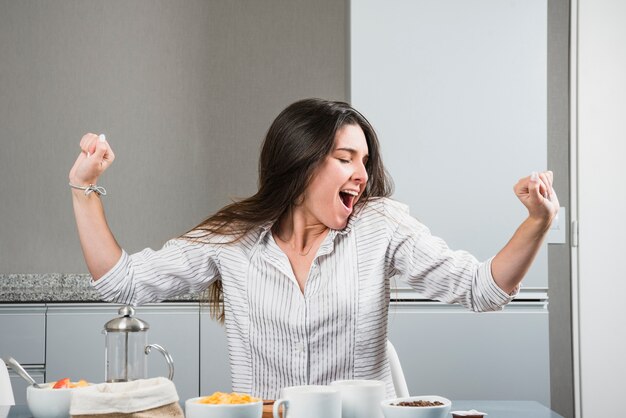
(348, 198)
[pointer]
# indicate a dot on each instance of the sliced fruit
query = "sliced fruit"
(80, 384)
(63, 383)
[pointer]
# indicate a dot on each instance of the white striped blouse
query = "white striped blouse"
(279, 336)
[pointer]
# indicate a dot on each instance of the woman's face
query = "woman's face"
(339, 181)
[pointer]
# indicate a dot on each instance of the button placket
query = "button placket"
(299, 348)
(313, 281)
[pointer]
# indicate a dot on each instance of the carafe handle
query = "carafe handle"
(168, 358)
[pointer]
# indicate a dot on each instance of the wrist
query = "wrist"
(81, 181)
(540, 223)
(88, 189)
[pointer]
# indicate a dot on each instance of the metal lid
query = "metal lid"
(126, 322)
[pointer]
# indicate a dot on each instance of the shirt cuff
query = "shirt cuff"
(112, 275)
(500, 297)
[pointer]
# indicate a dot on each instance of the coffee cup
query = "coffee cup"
(360, 398)
(310, 401)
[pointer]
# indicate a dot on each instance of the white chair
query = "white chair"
(399, 382)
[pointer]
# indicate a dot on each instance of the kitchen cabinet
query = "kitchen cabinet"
(214, 361)
(23, 329)
(23, 333)
(75, 342)
(444, 349)
(449, 351)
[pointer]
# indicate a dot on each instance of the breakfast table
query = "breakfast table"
(494, 409)
(507, 409)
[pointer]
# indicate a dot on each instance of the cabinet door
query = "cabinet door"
(23, 331)
(75, 342)
(214, 361)
(176, 327)
(448, 351)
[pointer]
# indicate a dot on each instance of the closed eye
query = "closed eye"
(352, 153)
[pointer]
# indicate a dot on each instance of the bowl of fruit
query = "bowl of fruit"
(52, 400)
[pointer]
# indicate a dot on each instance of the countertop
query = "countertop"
(55, 287)
(76, 288)
(495, 409)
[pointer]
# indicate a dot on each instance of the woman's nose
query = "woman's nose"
(360, 174)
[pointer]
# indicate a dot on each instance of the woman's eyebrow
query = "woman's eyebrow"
(350, 150)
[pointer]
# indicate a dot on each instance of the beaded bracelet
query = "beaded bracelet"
(100, 191)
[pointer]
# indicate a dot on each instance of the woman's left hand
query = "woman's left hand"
(537, 194)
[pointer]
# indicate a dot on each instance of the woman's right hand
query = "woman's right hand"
(95, 157)
(100, 249)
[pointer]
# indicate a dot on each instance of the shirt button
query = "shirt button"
(300, 347)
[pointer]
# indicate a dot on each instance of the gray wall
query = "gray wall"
(559, 271)
(185, 92)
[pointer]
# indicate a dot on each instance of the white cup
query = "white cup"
(309, 402)
(361, 398)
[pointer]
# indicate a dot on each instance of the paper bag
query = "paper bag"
(143, 398)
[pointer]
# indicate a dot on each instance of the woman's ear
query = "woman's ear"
(299, 200)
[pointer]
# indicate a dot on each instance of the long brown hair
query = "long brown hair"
(296, 143)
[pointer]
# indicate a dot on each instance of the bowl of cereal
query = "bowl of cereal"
(224, 405)
(423, 406)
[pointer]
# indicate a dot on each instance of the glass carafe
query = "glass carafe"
(126, 348)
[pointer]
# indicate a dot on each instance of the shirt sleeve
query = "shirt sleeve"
(430, 267)
(180, 267)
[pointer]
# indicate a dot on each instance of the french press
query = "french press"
(126, 348)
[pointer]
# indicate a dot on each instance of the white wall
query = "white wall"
(457, 92)
(601, 203)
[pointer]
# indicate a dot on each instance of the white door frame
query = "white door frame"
(574, 202)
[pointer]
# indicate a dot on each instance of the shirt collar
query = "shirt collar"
(264, 229)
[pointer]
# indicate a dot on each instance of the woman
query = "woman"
(305, 264)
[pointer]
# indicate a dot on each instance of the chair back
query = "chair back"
(397, 375)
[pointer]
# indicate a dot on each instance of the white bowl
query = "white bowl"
(391, 410)
(47, 402)
(193, 409)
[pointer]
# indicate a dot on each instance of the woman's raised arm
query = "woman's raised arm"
(100, 249)
(512, 262)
